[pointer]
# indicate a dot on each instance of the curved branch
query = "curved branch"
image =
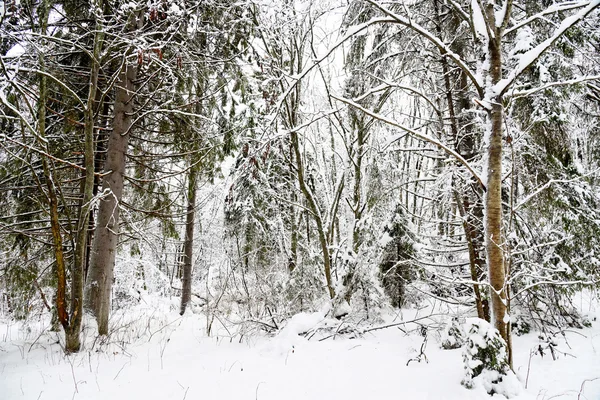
(431, 37)
(416, 134)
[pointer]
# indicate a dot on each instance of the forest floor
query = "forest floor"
(153, 353)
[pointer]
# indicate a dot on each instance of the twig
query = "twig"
(73, 374)
(35, 341)
(37, 285)
(272, 318)
(116, 376)
(256, 393)
(582, 384)
(270, 327)
(528, 368)
(163, 327)
(422, 354)
(395, 324)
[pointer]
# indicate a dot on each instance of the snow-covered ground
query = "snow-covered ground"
(156, 354)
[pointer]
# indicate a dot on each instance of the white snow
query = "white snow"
(529, 57)
(478, 19)
(152, 353)
(15, 51)
(523, 42)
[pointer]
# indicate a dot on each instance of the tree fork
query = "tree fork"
(315, 212)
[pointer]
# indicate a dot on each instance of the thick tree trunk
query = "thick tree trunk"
(104, 247)
(186, 290)
(494, 239)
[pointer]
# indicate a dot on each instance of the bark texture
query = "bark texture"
(104, 247)
(81, 243)
(186, 290)
(493, 199)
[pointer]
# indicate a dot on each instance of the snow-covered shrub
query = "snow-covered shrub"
(520, 325)
(486, 361)
(574, 318)
(368, 297)
(397, 266)
(586, 320)
(453, 336)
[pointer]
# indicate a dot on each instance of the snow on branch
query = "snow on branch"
(547, 185)
(581, 79)
(589, 282)
(416, 134)
(554, 8)
(531, 56)
(435, 40)
(299, 76)
(480, 22)
(457, 7)
(388, 85)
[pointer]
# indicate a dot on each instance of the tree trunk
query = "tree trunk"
(104, 247)
(71, 324)
(59, 258)
(358, 126)
(467, 147)
(471, 235)
(470, 212)
(493, 200)
(81, 244)
(308, 195)
(186, 290)
(294, 222)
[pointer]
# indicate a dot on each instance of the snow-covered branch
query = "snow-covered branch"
(554, 8)
(297, 78)
(435, 40)
(546, 186)
(528, 58)
(416, 134)
(528, 92)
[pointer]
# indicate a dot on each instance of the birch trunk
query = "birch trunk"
(493, 199)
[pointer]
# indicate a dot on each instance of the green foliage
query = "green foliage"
(254, 216)
(520, 325)
(485, 357)
(18, 277)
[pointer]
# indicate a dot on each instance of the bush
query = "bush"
(520, 326)
(453, 336)
(486, 361)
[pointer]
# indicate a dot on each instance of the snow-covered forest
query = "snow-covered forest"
(312, 199)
